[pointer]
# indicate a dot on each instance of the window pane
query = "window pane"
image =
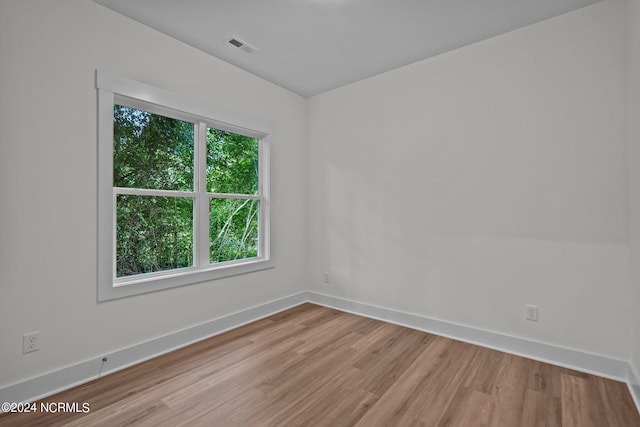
(153, 234)
(232, 163)
(151, 151)
(233, 229)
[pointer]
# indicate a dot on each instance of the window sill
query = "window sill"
(158, 281)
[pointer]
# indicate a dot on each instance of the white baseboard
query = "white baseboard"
(573, 359)
(65, 378)
(634, 385)
(62, 379)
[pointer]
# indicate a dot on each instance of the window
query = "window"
(183, 190)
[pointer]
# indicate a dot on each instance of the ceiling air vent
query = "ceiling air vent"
(242, 45)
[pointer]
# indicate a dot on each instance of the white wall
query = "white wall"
(49, 52)
(634, 168)
(468, 185)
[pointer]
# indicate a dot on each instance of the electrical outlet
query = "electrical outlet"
(532, 312)
(31, 342)
(327, 277)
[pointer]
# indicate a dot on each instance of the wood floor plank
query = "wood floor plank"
(393, 363)
(446, 381)
(468, 407)
(541, 409)
(138, 407)
(307, 374)
(483, 370)
(413, 390)
(581, 404)
(317, 366)
(509, 391)
(617, 402)
(331, 403)
(227, 383)
(380, 332)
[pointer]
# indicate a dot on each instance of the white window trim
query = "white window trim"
(112, 87)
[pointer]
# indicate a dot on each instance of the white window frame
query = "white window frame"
(114, 89)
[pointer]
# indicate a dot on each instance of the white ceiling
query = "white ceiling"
(311, 46)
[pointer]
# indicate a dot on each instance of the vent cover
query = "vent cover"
(242, 45)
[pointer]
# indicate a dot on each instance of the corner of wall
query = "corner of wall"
(633, 138)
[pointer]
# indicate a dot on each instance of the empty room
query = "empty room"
(320, 212)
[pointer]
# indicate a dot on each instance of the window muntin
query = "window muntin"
(188, 194)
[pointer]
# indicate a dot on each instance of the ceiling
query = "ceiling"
(312, 46)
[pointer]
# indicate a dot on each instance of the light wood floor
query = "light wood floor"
(316, 366)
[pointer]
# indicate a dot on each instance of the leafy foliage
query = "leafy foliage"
(151, 151)
(155, 233)
(233, 225)
(232, 163)
(232, 167)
